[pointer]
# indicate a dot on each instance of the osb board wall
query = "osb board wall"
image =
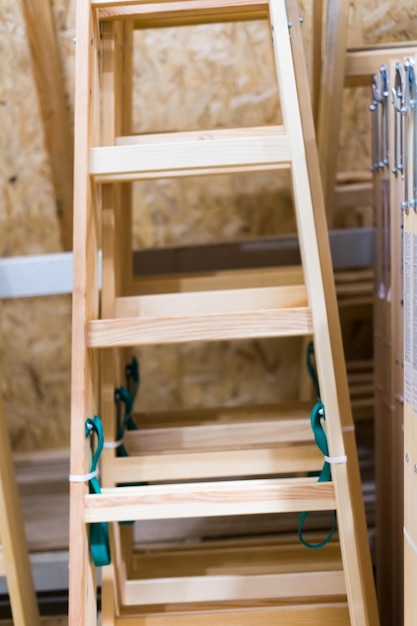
(36, 334)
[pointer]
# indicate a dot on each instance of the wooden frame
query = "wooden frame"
(258, 311)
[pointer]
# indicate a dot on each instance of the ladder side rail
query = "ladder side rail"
(328, 341)
(84, 401)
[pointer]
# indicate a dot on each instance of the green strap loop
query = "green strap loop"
(128, 397)
(99, 531)
(121, 394)
(316, 417)
(133, 375)
(311, 368)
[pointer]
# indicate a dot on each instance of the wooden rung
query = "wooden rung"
(188, 154)
(316, 614)
(288, 416)
(227, 588)
(362, 63)
(261, 555)
(219, 280)
(218, 464)
(287, 322)
(211, 302)
(236, 434)
(159, 14)
(237, 562)
(210, 499)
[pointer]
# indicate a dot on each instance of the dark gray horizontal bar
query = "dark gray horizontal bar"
(350, 248)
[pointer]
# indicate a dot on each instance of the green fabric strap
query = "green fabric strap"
(99, 532)
(121, 394)
(128, 397)
(311, 368)
(133, 376)
(317, 414)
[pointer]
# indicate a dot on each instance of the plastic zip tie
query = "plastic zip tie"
(113, 444)
(334, 460)
(410, 540)
(82, 478)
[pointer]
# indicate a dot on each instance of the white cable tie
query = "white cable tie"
(113, 444)
(82, 478)
(348, 429)
(333, 460)
(409, 540)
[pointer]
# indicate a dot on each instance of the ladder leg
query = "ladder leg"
(351, 518)
(15, 552)
(84, 398)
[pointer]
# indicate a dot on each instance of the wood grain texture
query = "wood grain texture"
(217, 464)
(48, 72)
(331, 96)
(361, 64)
(136, 331)
(218, 588)
(209, 152)
(14, 559)
(209, 499)
(335, 393)
(295, 615)
(180, 13)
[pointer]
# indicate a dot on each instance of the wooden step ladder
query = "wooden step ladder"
(259, 473)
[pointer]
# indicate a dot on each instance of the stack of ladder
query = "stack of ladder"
(251, 461)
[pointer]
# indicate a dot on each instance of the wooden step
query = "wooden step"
(264, 461)
(201, 316)
(261, 614)
(181, 13)
(191, 153)
(207, 499)
(218, 280)
(255, 446)
(233, 570)
(220, 428)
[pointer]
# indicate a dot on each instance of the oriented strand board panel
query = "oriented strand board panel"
(185, 78)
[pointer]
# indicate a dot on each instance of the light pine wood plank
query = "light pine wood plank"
(217, 464)
(182, 154)
(48, 72)
(212, 588)
(238, 435)
(181, 13)
(236, 556)
(333, 613)
(209, 499)
(84, 374)
(332, 370)
(14, 555)
(362, 63)
(211, 303)
(133, 331)
(221, 280)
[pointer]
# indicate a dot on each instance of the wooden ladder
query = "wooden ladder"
(14, 555)
(261, 455)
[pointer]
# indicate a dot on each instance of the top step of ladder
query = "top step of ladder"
(181, 12)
